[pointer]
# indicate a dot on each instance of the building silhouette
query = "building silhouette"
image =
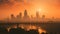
(43, 16)
(25, 15)
(53, 18)
(32, 16)
(19, 16)
(12, 16)
(37, 14)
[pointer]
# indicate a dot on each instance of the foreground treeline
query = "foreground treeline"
(18, 31)
(51, 28)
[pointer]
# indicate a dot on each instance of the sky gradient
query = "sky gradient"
(48, 7)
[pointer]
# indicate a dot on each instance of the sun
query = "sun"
(38, 10)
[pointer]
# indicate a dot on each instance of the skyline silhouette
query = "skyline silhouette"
(29, 16)
(24, 17)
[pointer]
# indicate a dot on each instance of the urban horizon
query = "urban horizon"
(26, 18)
(29, 16)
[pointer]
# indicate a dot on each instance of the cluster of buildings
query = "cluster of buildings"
(26, 18)
(20, 15)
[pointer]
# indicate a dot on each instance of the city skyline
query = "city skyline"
(26, 18)
(50, 8)
(29, 16)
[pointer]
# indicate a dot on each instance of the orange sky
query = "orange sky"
(48, 7)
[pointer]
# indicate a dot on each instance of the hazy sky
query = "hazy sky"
(48, 7)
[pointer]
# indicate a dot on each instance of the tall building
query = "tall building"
(31, 16)
(25, 15)
(53, 18)
(43, 16)
(37, 14)
(12, 16)
(19, 16)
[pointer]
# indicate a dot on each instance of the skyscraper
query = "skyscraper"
(19, 16)
(12, 16)
(37, 14)
(43, 16)
(25, 15)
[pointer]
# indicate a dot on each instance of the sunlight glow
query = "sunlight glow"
(38, 10)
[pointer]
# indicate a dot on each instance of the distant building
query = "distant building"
(53, 18)
(37, 14)
(25, 15)
(12, 16)
(43, 16)
(19, 16)
(32, 16)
